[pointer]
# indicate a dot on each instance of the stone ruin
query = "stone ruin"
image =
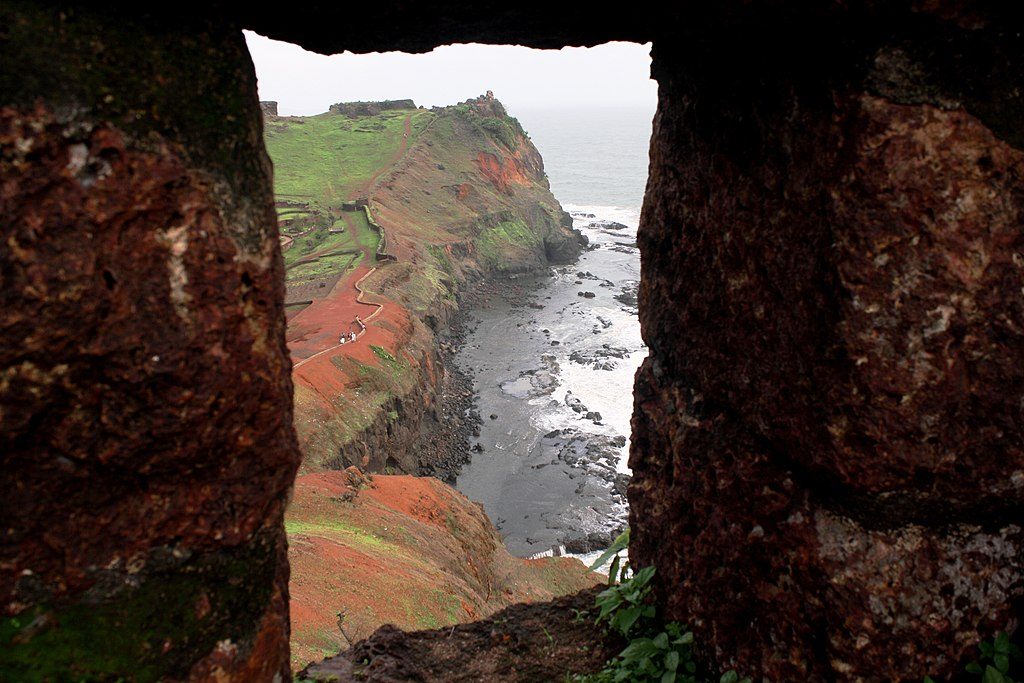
(357, 109)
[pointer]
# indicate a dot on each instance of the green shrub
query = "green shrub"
(996, 660)
(657, 652)
(383, 353)
(501, 131)
(623, 605)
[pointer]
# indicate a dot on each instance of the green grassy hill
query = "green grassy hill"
(326, 159)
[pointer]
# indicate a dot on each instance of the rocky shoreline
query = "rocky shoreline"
(452, 430)
(446, 442)
(547, 463)
(581, 458)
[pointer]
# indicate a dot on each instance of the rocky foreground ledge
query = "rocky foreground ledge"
(528, 643)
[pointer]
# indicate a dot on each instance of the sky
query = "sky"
(305, 83)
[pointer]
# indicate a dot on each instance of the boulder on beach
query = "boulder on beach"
(607, 225)
(575, 403)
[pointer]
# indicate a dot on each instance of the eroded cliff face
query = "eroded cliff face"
(827, 452)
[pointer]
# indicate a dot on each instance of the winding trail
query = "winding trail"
(318, 323)
(359, 299)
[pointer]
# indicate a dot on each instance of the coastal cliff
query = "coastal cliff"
(389, 215)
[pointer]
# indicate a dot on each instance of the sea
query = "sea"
(553, 373)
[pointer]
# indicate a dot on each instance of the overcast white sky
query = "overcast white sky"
(305, 83)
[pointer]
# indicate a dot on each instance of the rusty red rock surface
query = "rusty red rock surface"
(827, 453)
(143, 378)
(144, 384)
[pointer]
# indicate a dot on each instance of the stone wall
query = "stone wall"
(146, 445)
(828, 455)
(357, 109)
(827, 449)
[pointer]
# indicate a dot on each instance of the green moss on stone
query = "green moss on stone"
(146, 626)
(495, 241)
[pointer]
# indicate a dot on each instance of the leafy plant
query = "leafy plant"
(657, 652)
(666, 657)
(620, 543)
(622, 605)
(996, 658)
(617, 574)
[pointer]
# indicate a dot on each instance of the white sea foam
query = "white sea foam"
(629, 216)
(608, 392)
